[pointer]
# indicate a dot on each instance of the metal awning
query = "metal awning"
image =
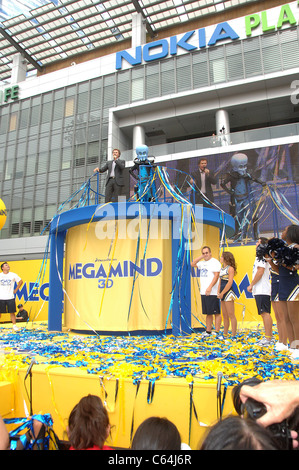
(52, 33)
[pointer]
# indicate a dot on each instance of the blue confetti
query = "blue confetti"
(150, 358)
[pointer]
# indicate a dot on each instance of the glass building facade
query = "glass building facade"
(50, 143)
(12, 8)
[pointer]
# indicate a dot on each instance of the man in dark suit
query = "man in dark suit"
(115, 178)
(203, 178)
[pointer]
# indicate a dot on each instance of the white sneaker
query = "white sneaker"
(294, 354)
(280, 346)
(265, 342)
(15, 328)
(229, 339)
(205, 335)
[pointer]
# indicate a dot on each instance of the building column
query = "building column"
(18, 69)
(223, 127)
(138, 136)
(138, 38)
(138, 30)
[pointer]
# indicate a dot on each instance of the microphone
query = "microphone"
(219, 379)
(29, 368)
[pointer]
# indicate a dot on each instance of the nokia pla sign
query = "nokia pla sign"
(207, 37)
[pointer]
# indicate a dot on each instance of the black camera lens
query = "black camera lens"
(253, 409)
(239, 406)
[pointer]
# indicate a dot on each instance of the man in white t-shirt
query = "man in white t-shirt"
(209, 277)
(7, 292)
(261, 290)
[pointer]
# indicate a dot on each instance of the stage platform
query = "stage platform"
(136, 376)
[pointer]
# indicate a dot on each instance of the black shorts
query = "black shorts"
(8, 306)
(210, 305)
(263, 303)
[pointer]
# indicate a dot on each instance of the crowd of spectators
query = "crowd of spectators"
(276, 429)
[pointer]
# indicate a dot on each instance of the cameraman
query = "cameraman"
(280, 397)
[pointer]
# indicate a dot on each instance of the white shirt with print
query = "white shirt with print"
(7, 285)
(263, 286)
(207, 271)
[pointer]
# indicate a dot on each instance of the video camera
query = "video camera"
(254, 410)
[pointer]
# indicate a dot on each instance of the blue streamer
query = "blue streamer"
(27, 425)
(278, 198)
